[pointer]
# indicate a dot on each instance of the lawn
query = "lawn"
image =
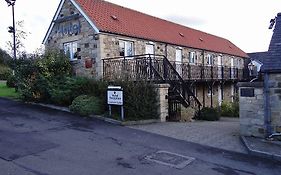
(7, 92)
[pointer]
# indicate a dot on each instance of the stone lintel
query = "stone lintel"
(250, 84)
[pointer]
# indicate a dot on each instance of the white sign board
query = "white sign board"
(114, 97)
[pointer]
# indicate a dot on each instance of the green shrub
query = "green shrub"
(5, 72)
(53, 64)
(209, 114)
(229, 109)
(5, 58)
(140, 100)
(86, 105)
(11, 81)
(63, 90)
(36, 77)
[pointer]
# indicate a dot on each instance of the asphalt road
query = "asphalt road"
(39, 141)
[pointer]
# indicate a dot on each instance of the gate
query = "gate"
(174, 111)
(174, 106)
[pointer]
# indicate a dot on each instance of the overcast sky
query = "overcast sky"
(243, 22)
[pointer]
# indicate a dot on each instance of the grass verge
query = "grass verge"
(8, 92)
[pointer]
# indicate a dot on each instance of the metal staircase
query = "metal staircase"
(156, 68)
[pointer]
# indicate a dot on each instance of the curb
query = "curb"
(125, 123)
(258, 153)
(64, 109)
(99, 117)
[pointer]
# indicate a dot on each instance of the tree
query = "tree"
(4, 57)
(21, 35)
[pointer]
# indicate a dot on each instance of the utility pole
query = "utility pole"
(12, 29)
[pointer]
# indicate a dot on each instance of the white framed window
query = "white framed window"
(70, 49)
(210, 59)
(126, 48)
(210, 89)
(238, 62)
(192, 57)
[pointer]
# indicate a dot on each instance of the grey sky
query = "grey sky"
(243, 22)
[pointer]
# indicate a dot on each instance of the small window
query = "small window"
(210, 89)
(126, 48)
(238, 63)
(192, 57)
(210, 59)
(71, 50)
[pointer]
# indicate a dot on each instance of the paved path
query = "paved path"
(223, 134)
(35, 140)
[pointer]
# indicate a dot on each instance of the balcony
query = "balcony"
(154, 67)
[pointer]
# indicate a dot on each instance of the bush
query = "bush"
(5, 58)
(11, 81)
(5, 72)
(36, 77)
(65, 89)
(140, 100)
(53, 64)
(209, 114)
(229, 109)
(86, 105)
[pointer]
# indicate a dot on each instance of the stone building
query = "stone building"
(100, 37)
(260, 102)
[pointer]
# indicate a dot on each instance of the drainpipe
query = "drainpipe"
(267, 114)
(212, 96)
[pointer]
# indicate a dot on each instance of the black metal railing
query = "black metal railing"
(140, 67)
(159, 69)
(151, 68)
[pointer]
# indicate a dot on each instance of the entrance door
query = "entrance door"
(232, 69)
(219, 67)
(232, 92)
(219, 95)
(149, 49)
(179, 61)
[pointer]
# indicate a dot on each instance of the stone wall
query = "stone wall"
(86, 39)
(251, 105)
(162, 91)
(110, 48)
(275, 101)
(252, 109)
(228, 93)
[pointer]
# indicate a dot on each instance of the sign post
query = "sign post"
(115, 97)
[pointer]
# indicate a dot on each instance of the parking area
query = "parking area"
(223, 134)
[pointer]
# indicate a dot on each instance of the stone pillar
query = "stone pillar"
(162, 93)
(251, 109)
(275, 102)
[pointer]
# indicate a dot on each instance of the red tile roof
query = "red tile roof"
(116, 19)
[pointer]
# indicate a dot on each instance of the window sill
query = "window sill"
(73, 61)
